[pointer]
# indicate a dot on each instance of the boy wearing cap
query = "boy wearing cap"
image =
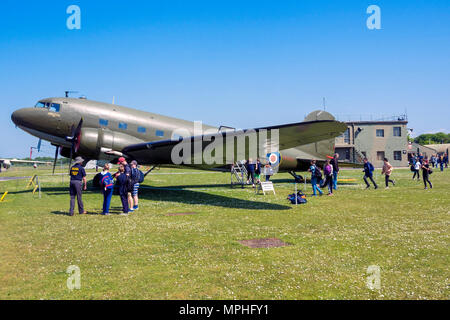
(127, 172)
(77, 180)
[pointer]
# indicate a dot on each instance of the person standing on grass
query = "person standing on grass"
(122, 182)
(328, 173)
(368, 173)
(387, 171)
(435, 161)
(251, 171)
(107, 188)
(426, 174)
(135, 175)
(417, 167)
(77, 181)
(441, 162)
(315, 178)
(258, 171)
(268, 170)
(127, 171)
(335, 164)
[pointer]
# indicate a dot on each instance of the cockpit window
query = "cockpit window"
(54, 107)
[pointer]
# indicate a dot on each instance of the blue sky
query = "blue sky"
(236, 63)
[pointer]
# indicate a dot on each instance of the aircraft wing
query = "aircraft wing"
(289, 136)
(25, 161)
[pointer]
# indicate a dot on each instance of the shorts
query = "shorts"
(135, 189)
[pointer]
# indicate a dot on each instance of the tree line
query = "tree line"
(433, 138)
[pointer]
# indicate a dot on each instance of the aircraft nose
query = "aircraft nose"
(21, 117)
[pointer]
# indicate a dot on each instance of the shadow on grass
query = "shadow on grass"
(194, 197)
(179, 195)
(89, 213)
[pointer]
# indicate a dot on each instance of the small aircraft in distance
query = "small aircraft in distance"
(7, 163)
(103, 131)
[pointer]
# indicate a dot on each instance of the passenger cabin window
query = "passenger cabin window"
(380, 132)
(159, 133)
(103, 122)
(397, 131)
(123, 126)
(141, 129)
(54, 107)
(40, 105)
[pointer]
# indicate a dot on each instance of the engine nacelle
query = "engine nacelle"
(92, 140)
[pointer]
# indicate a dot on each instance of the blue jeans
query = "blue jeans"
(315, 187)
(107, 195)
(335, 174)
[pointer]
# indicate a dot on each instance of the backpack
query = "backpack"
(317, 173)
(137, 175)
(107, 182)
(327, 170)
(141, 176)
(301, 198)
(130, 184)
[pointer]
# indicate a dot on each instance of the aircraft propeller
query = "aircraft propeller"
(75, 140)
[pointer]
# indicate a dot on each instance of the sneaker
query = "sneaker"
(104, 214)
(387, 188)
(84, 212)
(130, 210)
(136, 208)
(393, 182)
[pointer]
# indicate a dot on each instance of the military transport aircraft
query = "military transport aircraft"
(102, 131)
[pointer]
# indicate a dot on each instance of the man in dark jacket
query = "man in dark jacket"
(77, 180)
(122, 182)
(335, 164)
(368, 173)
(251, 166)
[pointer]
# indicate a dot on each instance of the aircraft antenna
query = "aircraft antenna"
(69, 92)
(323, 103)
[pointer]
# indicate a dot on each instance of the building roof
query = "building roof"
(439, 147)
(378, 122)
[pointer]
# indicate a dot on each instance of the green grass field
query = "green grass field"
(149, 255)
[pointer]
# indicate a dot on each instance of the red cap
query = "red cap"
(121, 159)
